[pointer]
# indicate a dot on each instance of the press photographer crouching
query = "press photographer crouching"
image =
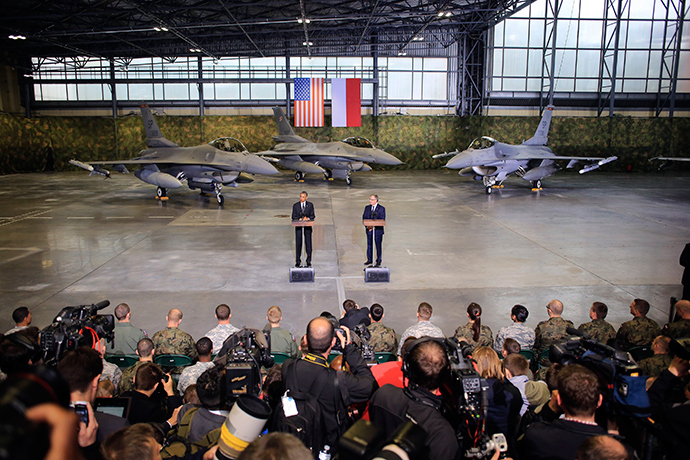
(425, 366)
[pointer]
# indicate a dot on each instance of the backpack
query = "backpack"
(176, 443)
(308, 425)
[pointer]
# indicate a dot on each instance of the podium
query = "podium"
(302, 274)
(375, 274)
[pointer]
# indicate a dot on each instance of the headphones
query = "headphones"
(34, 350)
(406, 357)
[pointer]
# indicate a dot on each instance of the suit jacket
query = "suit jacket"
(297, 213)
(685, 262)
(380, 214)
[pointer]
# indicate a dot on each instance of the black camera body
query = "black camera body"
(68, 330)
(462, 388)
(243, 354)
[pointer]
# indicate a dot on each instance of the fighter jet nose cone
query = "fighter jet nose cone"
(459, 161)
(386, 158)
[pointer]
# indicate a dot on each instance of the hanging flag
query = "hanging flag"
(346, 102)
(308, 102)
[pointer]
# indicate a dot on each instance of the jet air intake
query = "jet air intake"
(158, 178)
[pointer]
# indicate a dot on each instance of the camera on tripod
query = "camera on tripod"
(75, 327)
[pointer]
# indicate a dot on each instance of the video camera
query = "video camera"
(620, 379)
(365, 440)
(243, 354)
(365, 349)
(68, 330)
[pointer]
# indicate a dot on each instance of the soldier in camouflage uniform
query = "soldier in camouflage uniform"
(190, 374)
(598, 329)
(679, 329)
(639, 331)
(145, 351)
(652, 366)
(551, 331)
(172, 340)
(423, 328)
(224, 329)
(474, 332)
(518, 331)
(383, 338)
(110, 371)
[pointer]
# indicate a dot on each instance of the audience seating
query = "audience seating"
(279, 358)
(173, 360)
(639, 353)
(122, 361)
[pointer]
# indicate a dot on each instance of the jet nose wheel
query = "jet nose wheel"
(489, 189)
(348, 180)
(221, 200)
(161, 194)
(328, 174)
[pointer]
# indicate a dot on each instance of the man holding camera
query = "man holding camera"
(359, 384)
(424, 365)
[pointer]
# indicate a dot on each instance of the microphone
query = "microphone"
(102, 304)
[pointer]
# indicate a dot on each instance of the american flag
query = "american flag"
(308, 102)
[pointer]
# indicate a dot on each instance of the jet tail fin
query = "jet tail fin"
(154, 138)
(541, 136)
(284, 128)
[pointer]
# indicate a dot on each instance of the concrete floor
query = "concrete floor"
(70, 239)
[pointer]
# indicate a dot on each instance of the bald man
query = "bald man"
(300, 375)
(550, 331)
(172, 340)
(679, 329)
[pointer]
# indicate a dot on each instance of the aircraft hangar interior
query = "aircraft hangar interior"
(524, 150)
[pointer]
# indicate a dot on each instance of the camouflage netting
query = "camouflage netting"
(39, 144)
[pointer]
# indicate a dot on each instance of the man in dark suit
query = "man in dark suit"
(374, 211)
(303, 210)
(685, 262)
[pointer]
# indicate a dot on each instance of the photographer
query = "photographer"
(425, 366)
(82, 369)
(147, 405)
(359, 384)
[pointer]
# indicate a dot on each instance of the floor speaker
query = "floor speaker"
(377, 275)
(303, 274)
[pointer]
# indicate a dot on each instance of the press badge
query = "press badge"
(289, 406)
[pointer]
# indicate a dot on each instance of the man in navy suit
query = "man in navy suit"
(374, 211)
(303, 210)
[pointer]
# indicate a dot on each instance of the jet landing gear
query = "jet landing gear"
(162, 194)
(490, 184)
(299, 176)
(536, 185)
(217, 188)
(328, 174)
(348, 180)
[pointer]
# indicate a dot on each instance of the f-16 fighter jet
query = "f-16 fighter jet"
(332, 159)
(207, 167)
(493, 161)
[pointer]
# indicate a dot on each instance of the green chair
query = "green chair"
(529, 354)
(639, 353)
(173, 360)
(279, 358)
(544, 355)
(122, 361)
(384, 357)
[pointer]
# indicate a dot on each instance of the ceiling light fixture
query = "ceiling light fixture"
(402, 53)
(440, 14)
(195, 50)
(299, 20)
(28, 75)
(310, 43)
(17, 37)
(449, 14)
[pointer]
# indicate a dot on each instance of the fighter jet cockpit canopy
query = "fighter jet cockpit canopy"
(229, 144)
(361, 142)
(483, 142)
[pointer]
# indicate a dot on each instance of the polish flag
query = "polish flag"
(346, 102)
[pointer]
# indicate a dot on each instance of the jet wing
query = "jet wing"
(670, 159)
(545, 156)
(162, 161)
